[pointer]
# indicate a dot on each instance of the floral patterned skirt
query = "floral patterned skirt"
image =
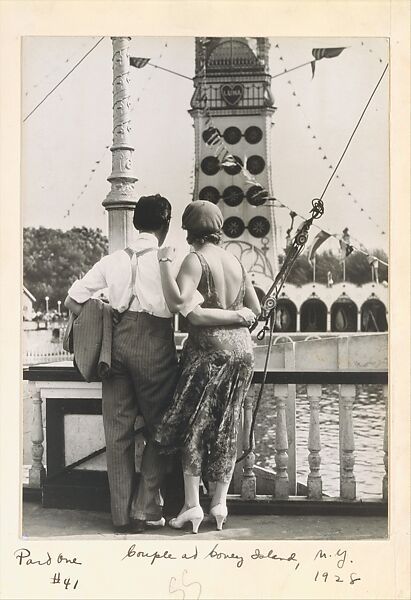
(216, 369)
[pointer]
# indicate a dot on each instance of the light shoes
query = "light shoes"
(219, 512)
(156, 524)
(194, 514)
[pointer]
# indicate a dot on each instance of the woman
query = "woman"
(216, 364)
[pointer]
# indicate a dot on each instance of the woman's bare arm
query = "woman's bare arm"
(213, 317)
(178, 291)
(250, 297)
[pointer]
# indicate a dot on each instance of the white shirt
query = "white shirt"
(115, 273)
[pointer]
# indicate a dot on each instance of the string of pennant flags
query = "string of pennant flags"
(321, 148)
(86, 185)
(226, 159)
(347, 243)
(97, 163)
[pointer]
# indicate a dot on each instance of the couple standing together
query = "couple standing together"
(194, 406)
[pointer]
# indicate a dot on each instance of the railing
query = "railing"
(34, 357)
(251, 481)
(345, 361)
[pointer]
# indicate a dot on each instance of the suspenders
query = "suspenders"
(132, 254)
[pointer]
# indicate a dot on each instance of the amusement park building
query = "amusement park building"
(232, 108)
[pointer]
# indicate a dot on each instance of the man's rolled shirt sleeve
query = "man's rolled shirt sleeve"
(93, 281)
(196, 300)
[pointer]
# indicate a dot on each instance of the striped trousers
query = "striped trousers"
(144, 376)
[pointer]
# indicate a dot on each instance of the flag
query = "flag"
(229, 161)
(320, 53)
(138, 62)
(345, 245)
(211, 136)
(374, 264)
(317, 241)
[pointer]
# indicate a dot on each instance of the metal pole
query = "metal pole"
(122, 198)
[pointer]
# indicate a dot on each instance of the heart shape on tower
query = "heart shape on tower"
(232, 94)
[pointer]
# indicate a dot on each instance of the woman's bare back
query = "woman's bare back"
(226, 271)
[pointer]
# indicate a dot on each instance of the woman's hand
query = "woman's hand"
(166, 254)
(247, 315)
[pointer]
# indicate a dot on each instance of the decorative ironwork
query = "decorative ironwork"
(252, 258)
(255, 95)
(232, 54)
(232, 94)
(210, 165)
(259, 227)
(233, 227)
(232, 135)
(253, 134)
(209, 193)
(255, 164)
(233, 195)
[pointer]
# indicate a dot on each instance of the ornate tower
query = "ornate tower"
(233, 96)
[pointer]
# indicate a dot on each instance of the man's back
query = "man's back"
(115, 273)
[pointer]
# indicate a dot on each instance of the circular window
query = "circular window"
(211, 136)
(257, 195)
(233, 195)
(253, 135)
(259, 227)
(209, 193)
(232, 135)
(255, 164)
(233, 227)
(234, 169)
(210, 165)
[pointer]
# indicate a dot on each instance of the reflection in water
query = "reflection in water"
(368, 422)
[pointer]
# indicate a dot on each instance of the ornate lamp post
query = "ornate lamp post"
(121, 199)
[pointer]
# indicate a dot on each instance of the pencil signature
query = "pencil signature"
(175, 586)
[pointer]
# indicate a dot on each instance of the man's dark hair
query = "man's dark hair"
(152, 213)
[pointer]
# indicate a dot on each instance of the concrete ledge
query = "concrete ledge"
(299, 505)
(48, 523)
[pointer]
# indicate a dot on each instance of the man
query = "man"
(144, 364)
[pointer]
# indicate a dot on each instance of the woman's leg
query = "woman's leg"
(220, 494)
(191, 491)
(192, 458)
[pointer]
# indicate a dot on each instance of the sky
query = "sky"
(65, 143)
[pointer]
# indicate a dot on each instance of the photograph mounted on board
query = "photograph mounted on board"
(205, 287)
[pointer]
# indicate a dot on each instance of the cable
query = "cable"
(260, 394)
(64, 78)
(294, 68)
(355, 129)
(169, 71)
(315, 137)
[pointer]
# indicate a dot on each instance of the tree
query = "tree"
(53, 259)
